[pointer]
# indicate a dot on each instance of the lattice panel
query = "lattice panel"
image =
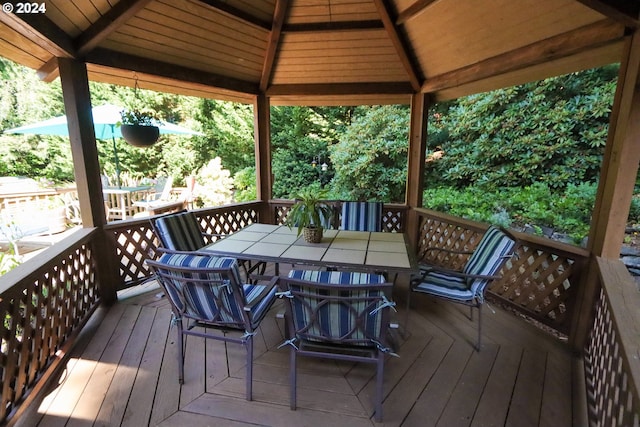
(612, 397)
(280, 213)
(134, 244)
(226, 221)
(538, 283)
(40, 313)
(435, 233)
(393, 219)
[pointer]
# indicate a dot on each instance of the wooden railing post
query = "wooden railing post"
(262, 136)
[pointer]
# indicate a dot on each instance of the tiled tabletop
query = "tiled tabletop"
(338, 248)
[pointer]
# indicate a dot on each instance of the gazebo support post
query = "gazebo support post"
(616, 185)
(262, 136)
(77, 104)
(420, 103)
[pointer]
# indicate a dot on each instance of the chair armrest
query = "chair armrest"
(451, 251)
(272, 282)
(460, 274)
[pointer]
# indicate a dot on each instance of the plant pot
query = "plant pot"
(140, 136)
(312, 235)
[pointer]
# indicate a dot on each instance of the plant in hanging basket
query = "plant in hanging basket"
(138, 127)
(308, 212)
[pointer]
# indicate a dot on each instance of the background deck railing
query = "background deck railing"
(43, 303)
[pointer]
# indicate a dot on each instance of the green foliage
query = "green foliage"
(309, 209)
(144, 117)
(370, 158)
(552, 132)
(244, 182)
(567, 212)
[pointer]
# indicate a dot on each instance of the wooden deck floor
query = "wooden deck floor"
(124, 373)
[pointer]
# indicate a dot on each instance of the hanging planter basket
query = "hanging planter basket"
(140, 135)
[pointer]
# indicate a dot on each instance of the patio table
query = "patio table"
(121, 200)
(340, 249)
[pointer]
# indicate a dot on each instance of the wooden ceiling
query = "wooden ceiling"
(321, 52)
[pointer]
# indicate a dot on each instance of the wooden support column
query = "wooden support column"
(617, 182)
(415, 165)
(262, 136)
(77, 104)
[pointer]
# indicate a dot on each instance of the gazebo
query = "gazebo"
(331, 52)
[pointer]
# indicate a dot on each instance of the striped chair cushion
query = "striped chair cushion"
(180, 232)
(361, 216)
(318, 314)
(200, 301)
(445, 285)
(485, 260)
(494, 247)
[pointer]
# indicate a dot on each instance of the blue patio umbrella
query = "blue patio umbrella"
(105, 119)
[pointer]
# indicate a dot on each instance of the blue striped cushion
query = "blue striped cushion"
(336, 321)
(485, 260)
(488, 257)
(200, 300)
(252, 292)
(180, 232)
(336, 277)
(444, 285)
(361, 216)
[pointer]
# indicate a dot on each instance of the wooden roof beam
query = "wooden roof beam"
(223, 6)
(108, 23)
(42, 31)
(562, 45)
(274, 40)
(113, 59)
(626, 12)
(414, 10)
(100, 30)
(381, 88)
(398, 43)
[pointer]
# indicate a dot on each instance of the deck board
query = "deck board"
(127, 375)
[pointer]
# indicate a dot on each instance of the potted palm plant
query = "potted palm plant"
(308, 214)
(138, 127)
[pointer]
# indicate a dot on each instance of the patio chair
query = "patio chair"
(206, 291)
(337, 315)
(181, 232)
(469, 285)
(361, 216)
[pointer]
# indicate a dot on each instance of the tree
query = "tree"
(370, 159)
(553, 131)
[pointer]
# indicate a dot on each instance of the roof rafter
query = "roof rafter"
(96, 33)
(110, 58)
(108, 23)
(223, 6)
(42, 31)
(416, 8)
(398, 43)
(626, 12)
(562, 45)
(274, 40)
